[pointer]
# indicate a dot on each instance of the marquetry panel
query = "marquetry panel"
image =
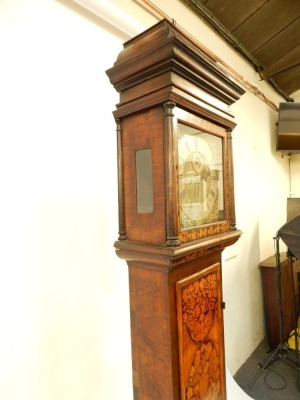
(200, 333)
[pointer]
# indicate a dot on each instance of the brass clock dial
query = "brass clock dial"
(200, 177)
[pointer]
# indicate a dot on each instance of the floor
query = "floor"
(279, 381)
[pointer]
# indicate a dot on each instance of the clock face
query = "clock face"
(200, 163)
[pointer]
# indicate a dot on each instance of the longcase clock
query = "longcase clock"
(176, 210)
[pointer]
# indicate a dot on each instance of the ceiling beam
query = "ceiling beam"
(204, 12)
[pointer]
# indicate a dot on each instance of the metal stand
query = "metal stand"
(282, 350)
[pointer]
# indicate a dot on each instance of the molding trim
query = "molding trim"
(115, 17)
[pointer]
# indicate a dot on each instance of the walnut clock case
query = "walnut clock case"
(176, 210)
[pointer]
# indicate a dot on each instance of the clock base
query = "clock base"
(176, 310)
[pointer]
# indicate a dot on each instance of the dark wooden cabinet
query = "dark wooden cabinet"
(289, 297)
(176, 214)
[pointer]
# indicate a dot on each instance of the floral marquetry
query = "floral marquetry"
(200, 331)
(204, 378)
(199, 301)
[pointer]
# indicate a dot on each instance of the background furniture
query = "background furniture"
(288, 279)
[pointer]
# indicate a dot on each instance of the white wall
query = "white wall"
(64, 298)
(64, 294)
(295, 181)
(295, 165)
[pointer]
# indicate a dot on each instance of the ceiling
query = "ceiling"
(266, 32)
